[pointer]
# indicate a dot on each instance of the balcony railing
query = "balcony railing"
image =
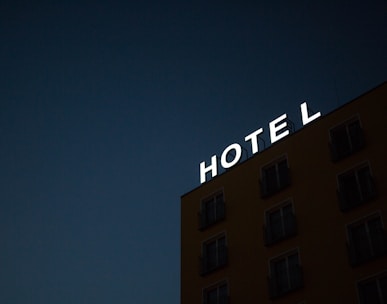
(219, 300)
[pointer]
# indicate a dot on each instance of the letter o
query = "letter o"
(238, 154)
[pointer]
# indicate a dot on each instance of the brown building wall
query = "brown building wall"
(321, 238)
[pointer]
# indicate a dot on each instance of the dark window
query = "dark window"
(286, 275)
(346, 139)
(280, 223)
(355, 187)
(373, 291)
(216, 294)
(214, 255)
(367, 240)
(212, 210)
(275, 177)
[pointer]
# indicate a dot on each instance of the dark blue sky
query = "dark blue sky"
(107, 108)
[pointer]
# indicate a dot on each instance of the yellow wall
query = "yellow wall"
(322, 235)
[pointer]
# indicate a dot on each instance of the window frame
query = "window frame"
(268, 188)
(375, 277)
(286, 232)
(274, 289)
(216, 286)
(221, 254)
(219, 209)
(354, 143)
(343, 194)
(354, 258)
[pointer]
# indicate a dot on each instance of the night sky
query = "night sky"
(108, 107)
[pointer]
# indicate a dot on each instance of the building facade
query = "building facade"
(303, 221)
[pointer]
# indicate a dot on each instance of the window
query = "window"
(280, 223)
(275, 177)
(286, 275)
(367, 240)
(355, 187)
(214, 254)
(212, 210)
(346, 139)
(217, 294)
(373, 291)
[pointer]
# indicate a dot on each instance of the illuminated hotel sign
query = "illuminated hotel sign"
(278, 130)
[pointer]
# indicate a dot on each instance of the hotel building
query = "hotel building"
(303, 221)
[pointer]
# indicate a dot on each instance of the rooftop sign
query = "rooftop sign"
(278, 129)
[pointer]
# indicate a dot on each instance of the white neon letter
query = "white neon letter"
(238, 153)
(254, 140)
(213, 168)
(274, 128)
(304, 113)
